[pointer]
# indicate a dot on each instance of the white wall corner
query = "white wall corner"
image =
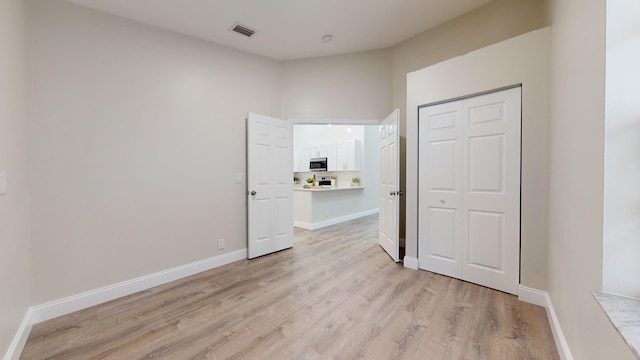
(410, 262)
(20, 339)
(87, 299)
(541, 298)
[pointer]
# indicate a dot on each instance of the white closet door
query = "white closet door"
(491, 199)
(469, 189)
(440, 212)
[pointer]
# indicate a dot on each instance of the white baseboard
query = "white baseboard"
(410, 262)
(532, 296)
(20, 339)
(87, 299)
(541, 298)
(338, 220)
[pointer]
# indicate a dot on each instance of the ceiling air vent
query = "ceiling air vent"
(242, 29)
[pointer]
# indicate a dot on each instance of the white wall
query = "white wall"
(622, 150)
(15, 261)
(576, 178)
(351, 86)
(371, 168)
(316, 134)
(136, 134)
(521, 60)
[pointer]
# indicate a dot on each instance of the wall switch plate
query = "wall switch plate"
(220, 244)
(3, 182)
(238, 177)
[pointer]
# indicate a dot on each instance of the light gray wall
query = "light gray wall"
(136, 134)
(351, 86)
(521, 60)
(15, 258)
(498, 20)
(576, 178)
(622, 150)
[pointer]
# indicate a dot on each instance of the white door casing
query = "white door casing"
(469, 225)
(389, 235)
(269, 185)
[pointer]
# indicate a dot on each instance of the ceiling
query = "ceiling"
(293, 29)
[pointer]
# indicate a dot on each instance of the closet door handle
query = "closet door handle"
(253, 193)
(392, 193)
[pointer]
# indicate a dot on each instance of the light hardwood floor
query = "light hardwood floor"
(335, 295)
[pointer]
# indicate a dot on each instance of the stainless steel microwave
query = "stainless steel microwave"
(318, 164)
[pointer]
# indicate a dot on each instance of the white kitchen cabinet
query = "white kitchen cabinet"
(348, 156)
(296, 160)
(319, 151)
(304, 157)
(332, 157)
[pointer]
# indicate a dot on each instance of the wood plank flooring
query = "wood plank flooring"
(335, 295)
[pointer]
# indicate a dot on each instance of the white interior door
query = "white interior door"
(440, 209)
(491, 205)
(269, 185)
(469, 225)
(389, 236)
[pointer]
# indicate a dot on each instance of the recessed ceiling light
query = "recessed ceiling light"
(327, 38)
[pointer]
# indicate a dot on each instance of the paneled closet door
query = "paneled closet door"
(491, 198)
(440, 212)
(469, 189)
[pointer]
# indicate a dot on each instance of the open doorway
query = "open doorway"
(352, 153)
(344, 172)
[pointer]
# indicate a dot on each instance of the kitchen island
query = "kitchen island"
(319, 206)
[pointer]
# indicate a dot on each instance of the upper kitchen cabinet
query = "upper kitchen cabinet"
(332, 157)
(342, 156)
(348, 156)
(319, 151)
(301, 157)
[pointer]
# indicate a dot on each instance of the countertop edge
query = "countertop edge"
(624, 314)
(342, 188)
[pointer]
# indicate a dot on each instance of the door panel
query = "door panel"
(469, 189)
(440, 189)
(442, 232)
(442, 174)
(389, 233)
(486, 165)
(486, 240)
(492, 190)
(269, 163)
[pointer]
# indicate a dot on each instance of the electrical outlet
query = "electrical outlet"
(220, 244)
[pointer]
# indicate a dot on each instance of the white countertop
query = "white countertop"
(624, 313)
(323, 188)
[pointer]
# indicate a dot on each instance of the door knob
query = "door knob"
(253, 192)
(399, 193)
(392, 193)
